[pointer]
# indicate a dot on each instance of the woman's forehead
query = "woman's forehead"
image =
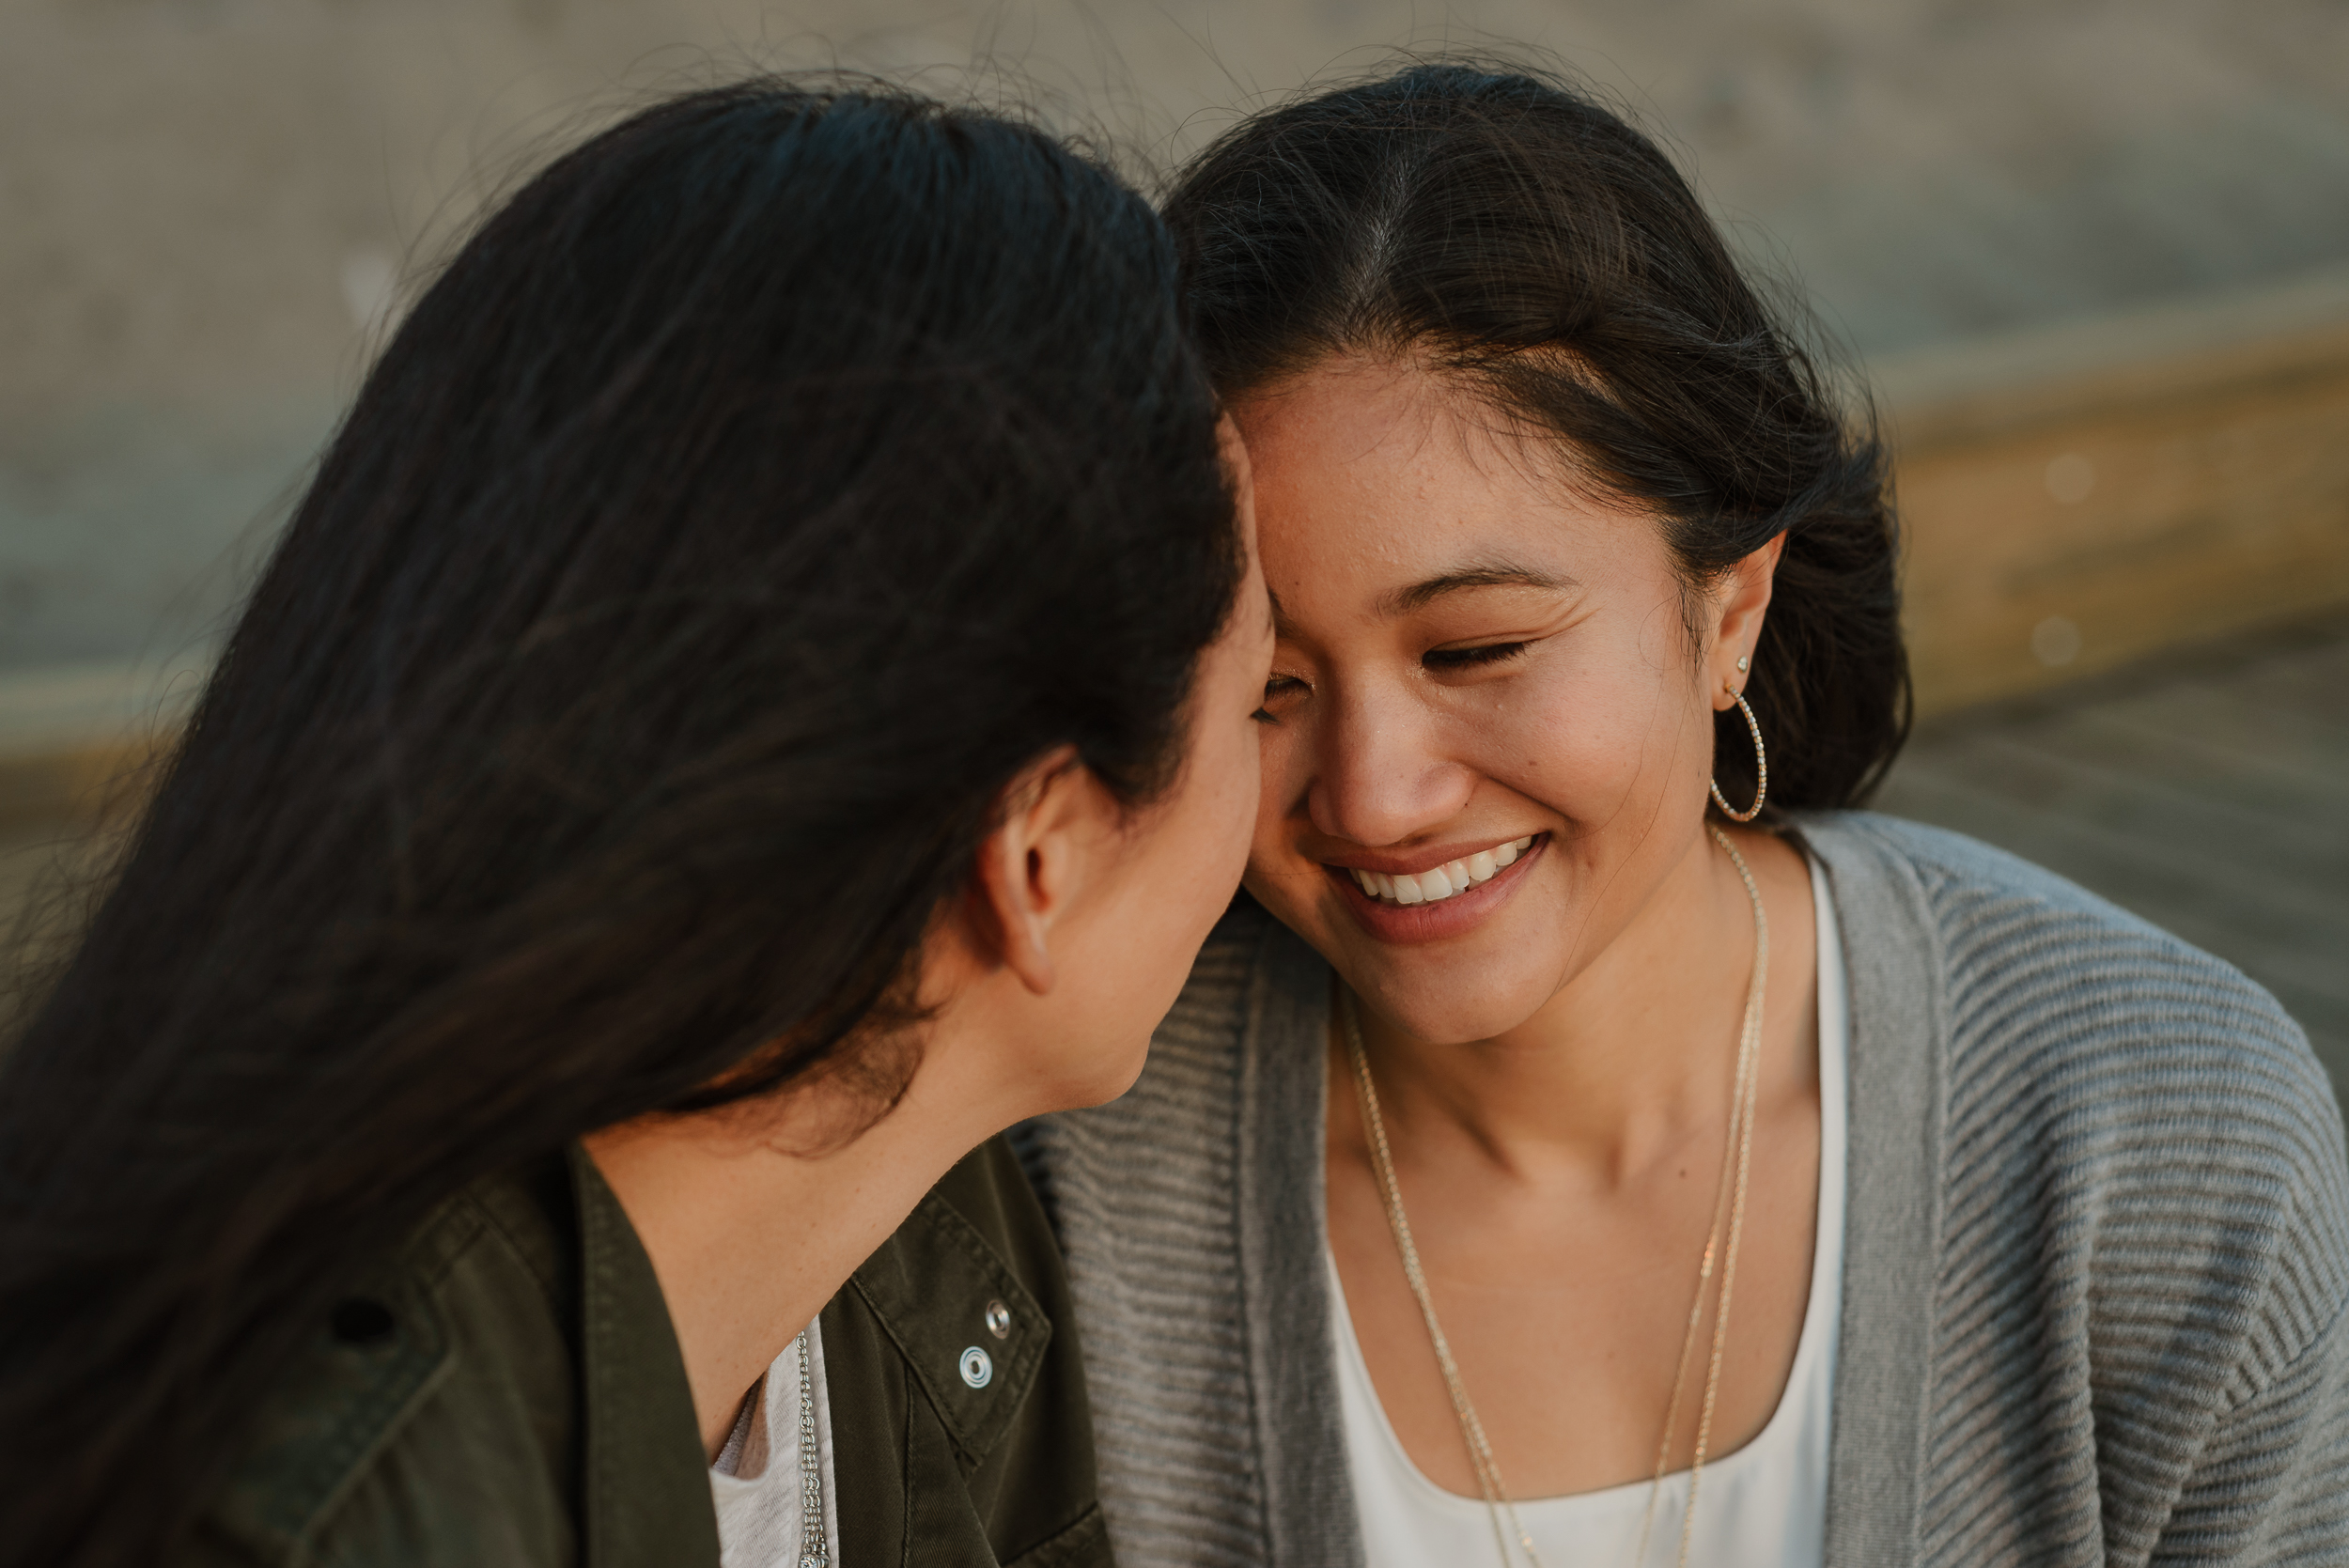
(1390, 484)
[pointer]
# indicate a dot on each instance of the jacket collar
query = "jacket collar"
(643, 1480)
(930, 1286)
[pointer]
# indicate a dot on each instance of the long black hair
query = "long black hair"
(753, 497)
(1514, 232)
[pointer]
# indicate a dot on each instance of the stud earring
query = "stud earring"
(1742, 662)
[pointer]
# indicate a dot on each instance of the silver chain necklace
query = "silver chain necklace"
(814, 1552)
(1730, 1195)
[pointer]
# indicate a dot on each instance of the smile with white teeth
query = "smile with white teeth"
(1438, 883)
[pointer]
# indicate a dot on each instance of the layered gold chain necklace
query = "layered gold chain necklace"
(1721, 1245)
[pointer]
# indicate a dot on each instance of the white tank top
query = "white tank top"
(756, 1482)
(1764, 1505)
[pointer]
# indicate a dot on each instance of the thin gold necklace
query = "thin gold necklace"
(1729, 1194)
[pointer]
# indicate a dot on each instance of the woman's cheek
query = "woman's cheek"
(1280, 761)
(1565, 745)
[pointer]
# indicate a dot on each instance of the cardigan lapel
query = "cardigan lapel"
(1281, 1225)
(1892, 1193)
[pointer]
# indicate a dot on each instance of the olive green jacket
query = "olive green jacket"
(507, 1391)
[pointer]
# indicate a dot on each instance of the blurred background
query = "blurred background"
(2093, 256)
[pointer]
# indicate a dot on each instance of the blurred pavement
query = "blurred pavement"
(2206, 789)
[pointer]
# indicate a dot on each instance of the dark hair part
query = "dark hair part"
(762, 489)
(1519, 235)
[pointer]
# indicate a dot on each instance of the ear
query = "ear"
(1035, 865)
(1744, 598)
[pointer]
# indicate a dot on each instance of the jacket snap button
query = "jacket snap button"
(977, 1367)
(360, 1321)
(999, 1320)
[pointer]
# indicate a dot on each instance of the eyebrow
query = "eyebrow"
(1493, 574)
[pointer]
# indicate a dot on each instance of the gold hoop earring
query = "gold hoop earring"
(1761, 766)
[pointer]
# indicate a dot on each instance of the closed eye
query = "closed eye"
(1442, 661)
(1275, 689)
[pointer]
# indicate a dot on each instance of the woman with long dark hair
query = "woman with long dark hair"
(756, 700)
(1594, 1141)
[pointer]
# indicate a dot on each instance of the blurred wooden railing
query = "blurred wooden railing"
(2080, 496)
(72, 738)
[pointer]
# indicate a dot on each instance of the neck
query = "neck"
(1634, 1050)
(749, 1240)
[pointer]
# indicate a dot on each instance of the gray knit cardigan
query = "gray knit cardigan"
(2095, 1252)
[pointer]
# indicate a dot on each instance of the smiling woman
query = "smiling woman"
(1596, 1141)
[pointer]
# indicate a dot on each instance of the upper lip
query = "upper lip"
(1412, 862)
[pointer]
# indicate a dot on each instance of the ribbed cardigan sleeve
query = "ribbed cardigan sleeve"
(2136, 1341)
(2272, 1484)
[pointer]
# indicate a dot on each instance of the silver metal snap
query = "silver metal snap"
(999, 1320)
(977, 1367)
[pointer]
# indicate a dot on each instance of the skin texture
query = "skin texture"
(1075, 936)
(1553, 1051)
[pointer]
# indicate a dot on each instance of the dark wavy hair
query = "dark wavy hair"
(1515, 233)
(760, 491)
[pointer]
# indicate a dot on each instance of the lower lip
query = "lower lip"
(1409, 924)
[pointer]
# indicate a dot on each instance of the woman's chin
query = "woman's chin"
(1448, 993)
(1443, 1009)
(1460, 969)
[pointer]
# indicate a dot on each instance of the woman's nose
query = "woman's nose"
(1382, 774)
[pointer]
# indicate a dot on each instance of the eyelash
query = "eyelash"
(1271, 689)
(1440, 659)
